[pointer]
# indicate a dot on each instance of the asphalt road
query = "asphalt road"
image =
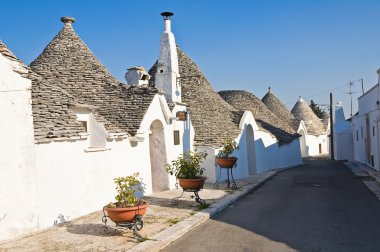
(317, 207)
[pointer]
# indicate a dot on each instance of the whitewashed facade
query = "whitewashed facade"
(314, 136)
(73, 176)
(63, 176)
(365, 128)
(343, 145)
(19, 175)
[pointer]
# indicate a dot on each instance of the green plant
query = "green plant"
(228, 147)
(187, 165)
(203, 206)
(126, 188)
(173, 221)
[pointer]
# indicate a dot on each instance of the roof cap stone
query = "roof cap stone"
(67, 20)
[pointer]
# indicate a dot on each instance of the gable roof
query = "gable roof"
(69, 63)
(213, 119)
(266, 120)
(279, 109)
(302, 111)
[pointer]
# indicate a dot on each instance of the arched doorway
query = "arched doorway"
(160, 178)
(303, 143)
(251, 155)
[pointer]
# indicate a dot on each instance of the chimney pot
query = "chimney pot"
(137, 76)
(167, 14)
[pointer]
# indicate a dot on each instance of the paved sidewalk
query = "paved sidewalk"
(163, 222)
(369, 176)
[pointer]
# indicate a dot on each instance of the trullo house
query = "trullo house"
(73, 128)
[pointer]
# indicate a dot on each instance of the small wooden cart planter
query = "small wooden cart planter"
(129, 218)
(191, 185)
(127, 212)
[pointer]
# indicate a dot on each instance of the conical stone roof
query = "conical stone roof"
(325, 120)
(302, 111)
(279, 109)
(266, 120)
(68, 63)
(213, 119)
(7, 53)
(52, 118)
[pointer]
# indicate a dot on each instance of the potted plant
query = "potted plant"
(187, 169)
(128, 206)
(223, 158)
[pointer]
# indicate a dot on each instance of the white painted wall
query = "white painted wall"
(80, 182)
(268, 154)
(310, 144)
(18, 187)
(368, 108)
(74, 182)
(343, 145)
(72, 179)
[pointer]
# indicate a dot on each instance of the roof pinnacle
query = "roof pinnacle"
(67, 20)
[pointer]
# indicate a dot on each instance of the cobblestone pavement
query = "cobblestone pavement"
(84, 233)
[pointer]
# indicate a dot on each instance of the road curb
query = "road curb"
(167, 236)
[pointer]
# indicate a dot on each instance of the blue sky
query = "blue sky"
(299, 48)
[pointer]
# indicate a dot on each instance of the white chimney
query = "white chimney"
(167, 76)
(137, 76)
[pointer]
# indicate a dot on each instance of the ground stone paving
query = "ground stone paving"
(84, 233)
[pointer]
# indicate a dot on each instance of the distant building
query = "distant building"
(314, 140)
(276, 142)
(343, 140)
(365, 128)
(313, 131)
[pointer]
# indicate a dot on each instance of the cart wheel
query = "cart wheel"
(234, 186)
(139, 225)
(216, 185)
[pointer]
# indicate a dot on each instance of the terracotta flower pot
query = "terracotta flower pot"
(122, 214)
(191, 184)
(226, 162)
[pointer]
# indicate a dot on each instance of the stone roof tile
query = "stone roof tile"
(266, 120)
(279, 109)
(52, 118)
(68, 63)
(302, 111)
(213, 119)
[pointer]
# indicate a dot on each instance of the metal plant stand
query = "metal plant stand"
(196, 196)
(136, 225)
(230, 183)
